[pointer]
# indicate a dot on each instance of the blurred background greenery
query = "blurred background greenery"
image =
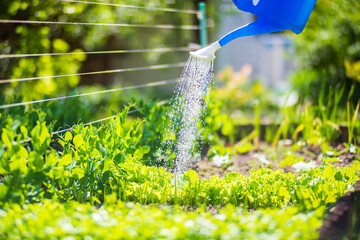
(327, 53)
(40, 38)
(329, 50)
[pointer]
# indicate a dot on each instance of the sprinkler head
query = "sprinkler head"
(207, 52)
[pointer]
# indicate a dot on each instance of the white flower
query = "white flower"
(221, 160)
(302, 166)
(262, 158)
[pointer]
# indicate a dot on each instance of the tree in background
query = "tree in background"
(68, 38)
(329, 49)
(39, 38)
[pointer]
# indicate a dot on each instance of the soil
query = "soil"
(242, 163)
(209, 208)
(343, 219)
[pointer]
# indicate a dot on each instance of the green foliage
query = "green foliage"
(153, 132)
(244, 148)
(219, 127)
(81, 170)
(92, 162)
(262, 188)
(38, 38)
(96, 165)
(130, 221)
(328, 49)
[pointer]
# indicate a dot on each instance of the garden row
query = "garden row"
(97, 161)
(88, 177)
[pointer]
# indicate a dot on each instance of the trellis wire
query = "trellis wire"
(132, 6)
(26, 55)
(169, 26)
(153, 67)
(70, 129)
(86, 124)
(92, 122)
(104, 119)
(152, 84)
(187, 27)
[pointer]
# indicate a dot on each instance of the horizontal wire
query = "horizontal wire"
(89, 123)
(86, 124)
(152, 84)
(187, 27)
(96, 52)
(102, 120)
(131, 6)
(153, 67)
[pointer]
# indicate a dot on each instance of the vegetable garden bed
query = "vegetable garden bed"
(97, 183)
(296, 177)
(247, 157)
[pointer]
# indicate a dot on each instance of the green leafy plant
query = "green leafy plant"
(132, 221)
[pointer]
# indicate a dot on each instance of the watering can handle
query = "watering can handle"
(258, 27)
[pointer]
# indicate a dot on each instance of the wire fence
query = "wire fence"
(152, 84)
(103, 119)
(134, 7)
(27, 55)
(112, 71)
(27, 140)
(153, 67)
(163, 26)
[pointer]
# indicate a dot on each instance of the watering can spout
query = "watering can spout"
(207, 52)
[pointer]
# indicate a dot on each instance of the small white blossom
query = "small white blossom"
(302, 166)
(221, 160)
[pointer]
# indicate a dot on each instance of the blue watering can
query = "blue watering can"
(272, 16)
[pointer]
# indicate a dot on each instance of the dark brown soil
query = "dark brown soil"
(242, 163)
(210, 208)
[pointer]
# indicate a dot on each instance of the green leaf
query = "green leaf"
(329, 172)
(78, 172)
(24, 131)
(40, 137)
(119, 158)
(227, 129)
(288, 161)
(66, 160)
(296, 146)
(244, 148)
(68, 136)
(254, 184)
(7, 137)
(36, 160)
(328, 160)
(106, 164)
(23, 153)
(338, 176)
(283, 192)
(145, 149)
(18, 164)
(78, 141)
(138, 154)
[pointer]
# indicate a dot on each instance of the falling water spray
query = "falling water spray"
(188, 105)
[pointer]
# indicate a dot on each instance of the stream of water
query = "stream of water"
(182, 131)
